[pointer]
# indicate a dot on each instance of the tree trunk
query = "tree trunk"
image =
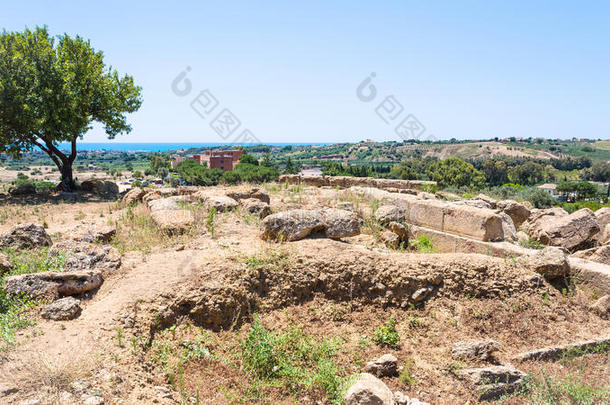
(67, 182)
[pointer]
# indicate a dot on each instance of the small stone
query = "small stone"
(602, 307)
(5, 264)
(7, 389)
(368, 390)
(479, 349)
(400, 230)
(62, 310)
(390, 239)
(401, 399)
(384, 366)
(95, 400)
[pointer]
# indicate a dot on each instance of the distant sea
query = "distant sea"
(162, 147)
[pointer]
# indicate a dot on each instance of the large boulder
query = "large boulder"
(133, 196)
(384, 366)
(98, 186)
(492, 203)
(298, 224)
(551, 262)
(600, 254)
(26, 236)
(255, 193)
(508, 228)
(539, 216)
(518, 212)
(62, 310)
(603, 216)
(572, 232)
(52, 284)
(150, 196)
(368, 390)
(173, 221)
(87, 256)
(254, 206)
(602, 307)
(163, 204)
(478, 349)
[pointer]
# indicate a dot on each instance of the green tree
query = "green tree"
(247, 158)
(455, 172)
(290, 168)
(267, 162)
(52, 91)
(158, 161)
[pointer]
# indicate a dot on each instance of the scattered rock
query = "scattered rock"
(492, 203)
(602, 307)
(23, 189)
(5, 264)
(133, 196)
(389, 238)
(600, 254)
(150, 196)
(400, 230)
(95, 400)
(478, 349)
(603, 216)
(94, 233)
(163, 204)
(173, 221)
(551, 262)
(384, 366)
(256, 193)
(368, 390)
(98, 186)
(522, 237)
(255, 206)
(389, 213)
(62, 310)
(221, 203)
(519, 213)
(494, 381)
(556, 352)
(298, 224)
(52, 284)
(7, 389)
(508, 228)
(26, 236)
(573, 232)
(473, 203)
(87, 256)
(402, 399)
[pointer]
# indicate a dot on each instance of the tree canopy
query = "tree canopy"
(52, 90)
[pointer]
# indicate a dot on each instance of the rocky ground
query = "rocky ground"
(288, 293)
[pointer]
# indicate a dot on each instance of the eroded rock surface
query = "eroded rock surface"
(52, 284)
(26, 236)
(297, 224)
(62, 310)
(368, 390)
(572, 232)
(478, 349)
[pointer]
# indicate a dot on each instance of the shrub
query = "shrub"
(422, 244)
(539, 198)
(386, 334)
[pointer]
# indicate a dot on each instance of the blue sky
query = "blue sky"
(289, 72)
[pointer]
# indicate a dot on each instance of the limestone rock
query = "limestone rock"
(254, 206)
(173, 221)
(572, 232)
(551, 262)
(62, 309)
(94, 400)
(494, 381)
(400, 230)
(478, 349)
(255, 193)
(52, 284)
(603, 216)
(221, 203)
(133, 196)
(368, 390)
(298, 224)
(389, 213)
(602, 307)
(163, 204)
(389, 238)
(87, 256)
(150, 196)
(7, 389)
(98, 186)
(345, 205)
(516, 211)
(487, 199)
(5, 264)
(26, 236)
(93, 233)
(384, 366)
(508, 228)
(600, 254)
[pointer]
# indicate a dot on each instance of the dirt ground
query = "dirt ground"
(113, 349)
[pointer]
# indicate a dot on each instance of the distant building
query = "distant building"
(549, 188)
(213, 159)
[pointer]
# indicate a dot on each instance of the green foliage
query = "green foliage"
(210, 223)
(582, 189)
(194, 173)
(406, 376)
(539, 198)
(52, 91)
(292, 359)
(386, 334)
(571, 389)
(290, 167)
(422, 244)
(249, 159)
(456, 172)
(271, 259)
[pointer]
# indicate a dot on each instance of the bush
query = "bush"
(386, 334)
(539, 198)
(422, 244)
